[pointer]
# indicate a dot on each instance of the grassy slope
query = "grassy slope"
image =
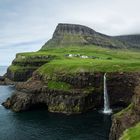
(121, 60)
(59, 85)
(29, 61)
(132, 133)
(124, 111)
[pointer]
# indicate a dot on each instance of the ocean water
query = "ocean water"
(3, 70)
(42, 125)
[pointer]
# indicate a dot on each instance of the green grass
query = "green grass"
(126, 110)
(121, 60)
(87, 50)
(63, 86)
(33, 57)
(57, 85)
(132, 133)
(20, 69)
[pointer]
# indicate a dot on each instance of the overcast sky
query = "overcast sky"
(25, 25)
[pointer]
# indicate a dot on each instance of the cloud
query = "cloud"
(34, 21)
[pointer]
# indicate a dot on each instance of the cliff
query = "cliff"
(132, 40)
(127, 117)
(24, 65)
(66, 75)
(78, 94)
(72, 34)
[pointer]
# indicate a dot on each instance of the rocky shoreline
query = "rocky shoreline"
(35, 92)
(128, 117)
(41, 80)
(79, 98)
(6, 81)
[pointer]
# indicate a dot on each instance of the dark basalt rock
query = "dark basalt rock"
(83, 80)
(118, 96)
(20, 76)
(6, 81)
(2, 80)
(76, 100)
(26, 66)
(132, 40)
(74, 34)
(130, 117)
(55, 101)
(121, 88)
(72, 29)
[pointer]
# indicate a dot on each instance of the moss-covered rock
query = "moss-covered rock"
(127, 117)
(132, 133)
(70, 94)
(25, 64)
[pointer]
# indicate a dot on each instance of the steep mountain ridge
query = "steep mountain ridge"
(132, 40)
(74, 34)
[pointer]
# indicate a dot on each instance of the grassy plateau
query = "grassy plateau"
(99, 60)
(70, 60)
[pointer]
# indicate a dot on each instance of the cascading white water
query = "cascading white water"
(107, 109)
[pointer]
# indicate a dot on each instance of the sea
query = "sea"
(39, 124)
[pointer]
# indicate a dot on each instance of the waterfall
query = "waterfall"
(107, 109)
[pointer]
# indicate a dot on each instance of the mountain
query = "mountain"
(73, 34)
(132, 40)
(70, 79)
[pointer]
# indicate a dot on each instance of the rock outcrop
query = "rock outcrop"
(86, 92)
(132, 40)
(35, 93)
(127, 117)
(20, 76)
(5, 81)
(23, 67)
(74, 34)
(73, 29)
(2, 80)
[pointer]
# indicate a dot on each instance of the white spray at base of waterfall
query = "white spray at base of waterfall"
(107, 109)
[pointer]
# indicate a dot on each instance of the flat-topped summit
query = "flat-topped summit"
(72, 29)
(73, 34)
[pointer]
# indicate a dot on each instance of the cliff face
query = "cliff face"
(86, 92)
(72, 29)
(23, 66)
(73, 34)
(132, 40)
(36, 91)
(128, 117)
